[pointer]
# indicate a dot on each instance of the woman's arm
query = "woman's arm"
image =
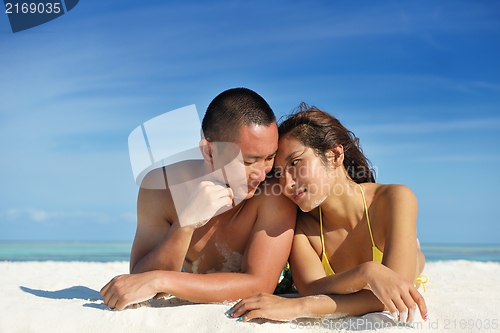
(307, 270)
(392, 290)
(391, 286)
(285, 309)
(309, 276)
(396, 214)
(394, 226)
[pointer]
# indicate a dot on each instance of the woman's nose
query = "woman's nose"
(288, 183)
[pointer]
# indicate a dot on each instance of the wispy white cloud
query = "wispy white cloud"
(376, 150)
(486, 85)
(462, 158)
(48, 217)
(331, 22)
(432, 127)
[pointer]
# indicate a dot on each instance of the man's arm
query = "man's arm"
(158, 243)
(265, 256)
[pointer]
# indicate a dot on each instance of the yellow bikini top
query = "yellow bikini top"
(377, 255)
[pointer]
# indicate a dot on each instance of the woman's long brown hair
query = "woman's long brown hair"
(321, 132)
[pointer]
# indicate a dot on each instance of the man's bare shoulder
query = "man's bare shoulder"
(160, 178)
(308, 222)
(155, 195)
(270, 193)
(275, 212)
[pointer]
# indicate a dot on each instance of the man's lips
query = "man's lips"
(252, 187)
(249, 187)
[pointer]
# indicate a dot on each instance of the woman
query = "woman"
(355, 240)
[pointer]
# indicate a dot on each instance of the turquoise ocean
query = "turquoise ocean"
(120, 251)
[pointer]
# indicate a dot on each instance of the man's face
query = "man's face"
(257, 147)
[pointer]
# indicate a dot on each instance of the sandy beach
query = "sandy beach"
(462, 296)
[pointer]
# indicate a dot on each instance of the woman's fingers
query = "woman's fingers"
(399, 313)
(398, 295)
(412, 314)
(406, 306)
(401, 304)
(419, 299)
(259, 313)
(264, 306)
(403, 316)
(407, 316)
(243, 308)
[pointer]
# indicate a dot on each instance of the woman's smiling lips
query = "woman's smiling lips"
(299, 195)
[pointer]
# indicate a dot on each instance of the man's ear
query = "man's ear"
(336, 156)
(206, 151)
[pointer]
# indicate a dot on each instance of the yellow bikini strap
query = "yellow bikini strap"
(366, 213)
(321, 231)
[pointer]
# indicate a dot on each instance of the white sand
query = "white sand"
(462, 296)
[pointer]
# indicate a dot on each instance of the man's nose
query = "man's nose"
(259, 173)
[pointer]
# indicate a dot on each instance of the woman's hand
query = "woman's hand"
(397, 294)
(266, 306)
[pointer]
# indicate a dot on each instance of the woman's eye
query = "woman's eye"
(294, 162)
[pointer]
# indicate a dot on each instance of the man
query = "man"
(241, 235)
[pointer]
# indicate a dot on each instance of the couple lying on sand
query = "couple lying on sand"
(352, 246)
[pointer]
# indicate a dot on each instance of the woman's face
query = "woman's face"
(303, 176)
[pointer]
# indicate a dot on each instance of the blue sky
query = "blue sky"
(418, 82)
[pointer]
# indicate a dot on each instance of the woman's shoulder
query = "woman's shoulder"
(388, 191)
(390, 195)
(391, 205)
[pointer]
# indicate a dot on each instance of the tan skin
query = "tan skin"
(360, 285)
(244, 247)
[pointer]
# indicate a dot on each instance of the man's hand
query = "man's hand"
(206, 199)
(127, 289)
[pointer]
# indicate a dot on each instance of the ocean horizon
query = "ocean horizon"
(100, 251)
